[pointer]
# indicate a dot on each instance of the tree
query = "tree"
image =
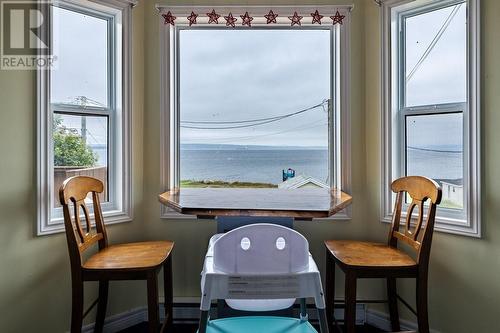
(69, 147)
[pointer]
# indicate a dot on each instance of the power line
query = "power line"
(434, 41)
(229, 122)
(250, 122)
(231, 127)
(297, 128)
(83, 101)
(436, 150)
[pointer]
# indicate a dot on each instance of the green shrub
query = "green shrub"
(69, 147)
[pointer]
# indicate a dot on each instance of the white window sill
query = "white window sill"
(448, 225)
(110, 217)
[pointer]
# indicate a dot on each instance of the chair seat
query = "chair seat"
(140, 255)
(259, 324)
(367, 254)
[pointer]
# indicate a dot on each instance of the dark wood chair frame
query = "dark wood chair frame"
(420, 189)
(74, 191)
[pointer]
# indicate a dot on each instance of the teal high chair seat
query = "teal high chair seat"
(260, 267)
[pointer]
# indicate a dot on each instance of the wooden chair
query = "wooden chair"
(376, 260)
(132, 261)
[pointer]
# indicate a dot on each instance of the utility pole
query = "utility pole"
(84, 129)
(330, 140)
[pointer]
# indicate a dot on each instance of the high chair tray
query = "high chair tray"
(259, 324)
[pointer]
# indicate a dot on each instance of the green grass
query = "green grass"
(222, 184)
(445, 203)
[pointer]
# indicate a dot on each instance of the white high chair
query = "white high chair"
(260, 267)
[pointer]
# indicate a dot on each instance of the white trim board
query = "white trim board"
(189, 314)
(120, 206)
(120, 321)
(470, 225)
(382, 321)
(170, 113)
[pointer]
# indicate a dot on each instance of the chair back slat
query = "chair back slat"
(99, 221)
(413, 233)
(89, 240)
(78, 223)
(407, 240)
(86, 214)
(396, 218)
(420, 190)
(73, 192)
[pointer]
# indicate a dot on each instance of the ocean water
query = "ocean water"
(435, 164)
(265, 166)
(262, 166)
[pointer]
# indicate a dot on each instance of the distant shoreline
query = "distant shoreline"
(214, 146)
(224, 184)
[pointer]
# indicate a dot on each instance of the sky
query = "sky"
(440, 79)
(80, 45)
(251, 74)
(239, 75)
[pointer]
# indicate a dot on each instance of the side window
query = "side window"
(431, 107)
(84, 111)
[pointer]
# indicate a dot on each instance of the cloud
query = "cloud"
(243, 74)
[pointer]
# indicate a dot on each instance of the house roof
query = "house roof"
(456, 182)
(301, 180)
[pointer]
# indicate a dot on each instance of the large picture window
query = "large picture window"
(254, 107)
(249, 115)
(431, 104)
(84, 107)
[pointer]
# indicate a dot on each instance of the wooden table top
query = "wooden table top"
(303, 203)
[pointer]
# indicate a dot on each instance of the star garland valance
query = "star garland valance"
(241, 16)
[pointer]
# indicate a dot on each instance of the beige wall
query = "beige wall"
(35, 289)
(34, 271)
(464, 286)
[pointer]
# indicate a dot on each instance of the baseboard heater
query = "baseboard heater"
(189, 312)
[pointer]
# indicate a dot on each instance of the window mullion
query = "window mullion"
(113, 117)
(79, 110)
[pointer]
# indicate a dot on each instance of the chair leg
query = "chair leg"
(323, 325)
(221, 309)
(77, 305)
(422, 314)
(393, 304)
(153, 311)
(101, 306)
(330, 290)
(303, 309)
(168, 292)
(350, 302)
(203, 322)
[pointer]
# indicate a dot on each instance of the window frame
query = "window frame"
(395, 112)
(118, 207)
(169, 76)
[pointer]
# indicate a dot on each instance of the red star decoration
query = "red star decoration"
(295, 19)
(271, 17)
(247, 19)
(316, 17)
(213, 17)
(337, 18)
(192, 18)
(230, 20)
(169, 18)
